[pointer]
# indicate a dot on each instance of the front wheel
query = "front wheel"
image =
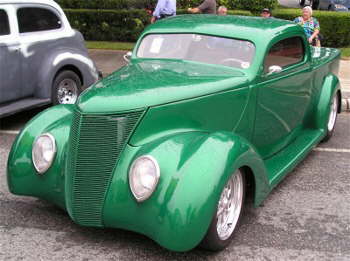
(228, 214)
(66, 88)
(334, 107)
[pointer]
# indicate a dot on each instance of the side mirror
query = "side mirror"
(127, 56)
(274, 69)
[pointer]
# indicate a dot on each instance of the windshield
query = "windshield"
(198, 48)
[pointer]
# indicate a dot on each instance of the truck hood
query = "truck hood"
(154, 82)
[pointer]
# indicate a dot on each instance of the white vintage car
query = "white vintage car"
(42, 59)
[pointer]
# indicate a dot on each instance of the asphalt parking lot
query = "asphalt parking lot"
(306, 217)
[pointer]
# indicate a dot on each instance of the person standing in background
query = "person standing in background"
(222, 10)
(266, 13)
(164, 9)
(207, 7)
(311, 26)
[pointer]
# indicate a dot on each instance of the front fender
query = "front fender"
(22, 177)
(194, 166)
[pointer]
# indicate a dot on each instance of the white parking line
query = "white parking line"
(332, 150)
(9, 132)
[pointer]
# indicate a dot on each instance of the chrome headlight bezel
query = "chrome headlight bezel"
(132, 173)
(42, 170)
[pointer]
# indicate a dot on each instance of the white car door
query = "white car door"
(10, 66)
(40, 27)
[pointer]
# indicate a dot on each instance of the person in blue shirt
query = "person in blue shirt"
(164, 9)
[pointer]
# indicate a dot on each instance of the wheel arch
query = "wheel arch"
(70, 67)
(250, 182)
(330, 87)
(339, 101)
(61, 60)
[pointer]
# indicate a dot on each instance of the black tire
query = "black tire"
(301, 2)
(330, 131)
(59, 79)
(212, 241)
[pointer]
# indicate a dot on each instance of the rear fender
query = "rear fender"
(329, 88)
(60, 58)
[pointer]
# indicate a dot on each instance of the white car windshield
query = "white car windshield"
(199, 48)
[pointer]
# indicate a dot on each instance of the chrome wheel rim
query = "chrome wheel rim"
(230, 206)
(67, 92)
(333, 113)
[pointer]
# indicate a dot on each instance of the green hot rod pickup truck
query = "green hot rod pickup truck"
(167, 145)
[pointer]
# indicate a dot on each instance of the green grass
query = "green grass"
(284, 7)
(110, 45)
(345, 52)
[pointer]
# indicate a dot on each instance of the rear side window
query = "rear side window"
(34, 19)
(4, 23)
(285, 53)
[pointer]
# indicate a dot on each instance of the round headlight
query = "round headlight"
(43, 152)
(143, 177)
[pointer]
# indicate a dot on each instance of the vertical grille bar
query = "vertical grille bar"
(96, 142)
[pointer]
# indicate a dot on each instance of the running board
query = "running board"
(286, 160)
(20, 105)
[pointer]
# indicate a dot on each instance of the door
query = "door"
(283, 96)
(39, 28)
(10, 66)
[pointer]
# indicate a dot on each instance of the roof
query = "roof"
(243, 27)
(49, 3)
(45, 2)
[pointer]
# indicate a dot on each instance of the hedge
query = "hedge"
(126, 25)
(335, 26)
(105, 4)
(108, 25)
(230, 12)
(251, 5)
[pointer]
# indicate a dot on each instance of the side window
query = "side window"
(4, 23)
(34, 19)
(286, 52)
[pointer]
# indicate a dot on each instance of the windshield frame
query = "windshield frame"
(137, 47)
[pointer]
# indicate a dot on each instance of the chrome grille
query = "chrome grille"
(96, 142)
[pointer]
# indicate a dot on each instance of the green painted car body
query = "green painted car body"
(200, 122)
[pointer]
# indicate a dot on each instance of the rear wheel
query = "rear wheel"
(301, 2)
(228, 214)
(66, 88)
(334, 107)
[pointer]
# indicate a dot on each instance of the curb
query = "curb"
(346, 104)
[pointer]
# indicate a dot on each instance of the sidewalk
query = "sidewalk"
(109, 61)
(344, 76)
